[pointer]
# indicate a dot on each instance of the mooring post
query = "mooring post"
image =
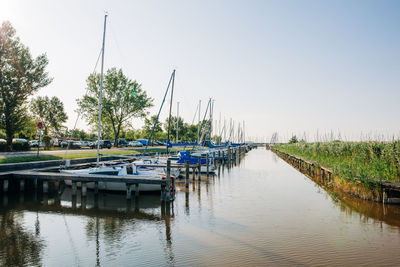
(59, 187)
(5, 185)
(223, 157)
(163, 192)
(213, 159)
(229, 154)
(21, 185)
(35, 183)
(194, 173)
(199, 164)
(167, 198)
(207, 163)
(187, 173)
(84, 189)
(136, 190)
(45, 186)
(219, 156)
(128, 192)
(73, 189)
(96, 187)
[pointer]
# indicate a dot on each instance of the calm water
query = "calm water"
(260, 212)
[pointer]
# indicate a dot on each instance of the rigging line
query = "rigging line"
(118, 48)
(194, 117)
(79, 111)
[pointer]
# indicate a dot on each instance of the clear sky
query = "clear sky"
(285, 66)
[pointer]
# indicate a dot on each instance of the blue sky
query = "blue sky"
(285, 66)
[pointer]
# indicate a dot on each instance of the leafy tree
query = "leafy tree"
(148, 126)
(20, 77)
(50, 111)
(293, 140)
(77, 133)
(122, 100)
(173, 129)
(29, 130)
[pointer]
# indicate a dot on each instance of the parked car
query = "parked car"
(135, 144)
(121, 143)
(3, 141)
(159, 143)
(103, 144)
(86, 143)
(22, 140)
(142, 141)
(34, 143)
(72, 144)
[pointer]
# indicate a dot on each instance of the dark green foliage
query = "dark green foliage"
(119, 105)
(293, 140)
(20, 77)
(17, 146)
(49, 111)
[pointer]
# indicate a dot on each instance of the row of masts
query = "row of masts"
(214, 130)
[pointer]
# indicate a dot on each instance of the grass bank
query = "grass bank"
(369, 162)
(77, 155)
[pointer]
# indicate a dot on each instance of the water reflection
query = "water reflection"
(18, 245)
(261, 212)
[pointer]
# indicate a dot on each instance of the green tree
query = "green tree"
(173, 129)
(50, 111)
(122, 100)
(20, 77)
(293, 140)
(148, 126)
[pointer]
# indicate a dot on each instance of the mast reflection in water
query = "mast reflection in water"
(260, 211)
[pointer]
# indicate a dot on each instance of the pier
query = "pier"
(44, 176)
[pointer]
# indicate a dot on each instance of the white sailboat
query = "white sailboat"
(118, 170)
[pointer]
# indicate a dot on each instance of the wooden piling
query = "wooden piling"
(128, 191)
(223, 156)
(59, 187)
(214, 161)
(187, 173)
(84, 189)
(207, 161)
(73, 188)
(136, 190)
(5, 185)
(163, 193)
(45, 186)
(168, 185)
(219, 156)
(96, 188)
(21, 185)
(199, 165)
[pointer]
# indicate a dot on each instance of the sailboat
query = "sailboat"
(127, 170)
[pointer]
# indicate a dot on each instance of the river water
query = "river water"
(259, 212)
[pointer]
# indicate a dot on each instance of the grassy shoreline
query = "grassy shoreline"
(33, 158)
(370, 162)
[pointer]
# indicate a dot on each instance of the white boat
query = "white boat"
(117, 172)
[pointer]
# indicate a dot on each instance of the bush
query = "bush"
(17, 146)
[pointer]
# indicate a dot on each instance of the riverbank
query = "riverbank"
(72, 154)
(365, 170)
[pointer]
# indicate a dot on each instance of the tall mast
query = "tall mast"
(177, 122)
(101, 90)
(198, 134)
(170, 107)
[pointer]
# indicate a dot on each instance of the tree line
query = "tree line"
(21, 76)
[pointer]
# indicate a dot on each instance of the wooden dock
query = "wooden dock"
(48, 173)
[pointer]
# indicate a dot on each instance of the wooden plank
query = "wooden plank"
(85, 177)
